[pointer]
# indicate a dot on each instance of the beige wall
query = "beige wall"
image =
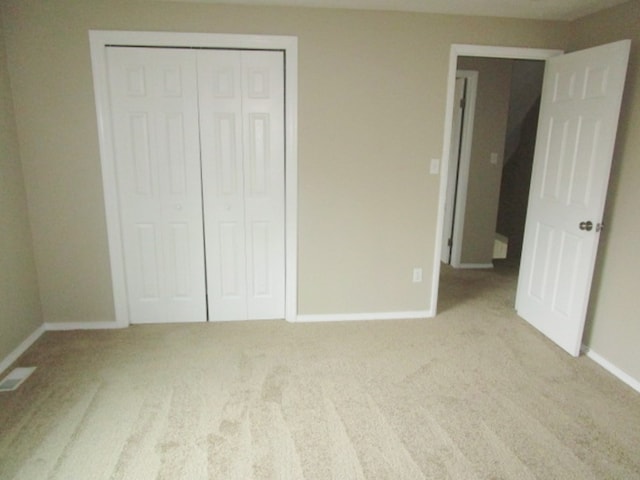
(489, 135)
(372, 95)
(613, 330)
(19, 304)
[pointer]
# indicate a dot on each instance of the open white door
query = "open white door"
(579, 110)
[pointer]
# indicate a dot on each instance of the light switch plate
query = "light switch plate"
(417, 275)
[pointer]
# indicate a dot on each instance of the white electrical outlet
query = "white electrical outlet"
(417, 275)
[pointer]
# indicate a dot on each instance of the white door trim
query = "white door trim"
(459, 50)
(459, 193)
(99, 40)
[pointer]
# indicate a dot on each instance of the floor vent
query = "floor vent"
(15, 378)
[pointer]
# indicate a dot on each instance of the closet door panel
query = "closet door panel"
(263, 137)
(219, 87)
(242, 122)
(156, 141)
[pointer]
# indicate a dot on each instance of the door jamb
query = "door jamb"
(459, 50)
(99, 40)
(459, 194)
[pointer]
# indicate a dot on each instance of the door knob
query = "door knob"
(588, 226)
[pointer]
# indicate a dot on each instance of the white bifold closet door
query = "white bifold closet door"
(154, 102)
(242, 139)
(199, 148)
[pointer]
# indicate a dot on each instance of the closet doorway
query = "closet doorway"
(198, 174)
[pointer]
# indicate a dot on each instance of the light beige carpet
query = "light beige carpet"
(472, 394)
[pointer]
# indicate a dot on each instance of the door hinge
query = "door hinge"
(449, 243)
(463, 102)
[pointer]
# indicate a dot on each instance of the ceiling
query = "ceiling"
(535, 9)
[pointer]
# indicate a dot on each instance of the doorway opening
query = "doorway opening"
(491, 160)
(496, 106)
(579, 112)
(478, 196)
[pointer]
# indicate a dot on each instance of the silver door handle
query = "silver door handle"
(588, 226)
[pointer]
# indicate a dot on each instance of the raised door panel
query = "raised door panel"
(156, 141)
(219, 74)
(580, 102)
(264, 173)
(242, 122)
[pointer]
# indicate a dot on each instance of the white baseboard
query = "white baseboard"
(474, 265)
(63, 326)
(53, 326)
(20, 349)
(348, 317)
(66, 326)
(31, 339)
(611, 368)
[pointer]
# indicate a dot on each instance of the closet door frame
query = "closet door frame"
(99, 41)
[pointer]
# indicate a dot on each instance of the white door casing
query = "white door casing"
(99, 41)
(456, 138)
(242, 122)
(458, 168)
(581, 97)
(154, 119)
